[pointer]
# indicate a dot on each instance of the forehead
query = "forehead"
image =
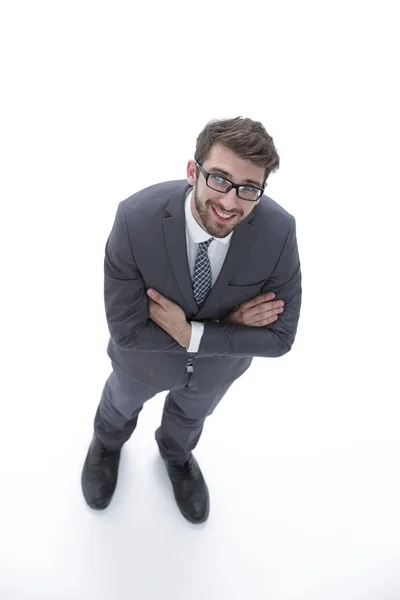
(229, 163)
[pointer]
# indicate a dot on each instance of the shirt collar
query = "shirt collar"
(197, 234)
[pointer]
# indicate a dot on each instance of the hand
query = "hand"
(170, 317)
(257, 312)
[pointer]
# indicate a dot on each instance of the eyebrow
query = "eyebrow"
(229, 175)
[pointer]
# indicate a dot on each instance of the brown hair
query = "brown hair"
(247, 138)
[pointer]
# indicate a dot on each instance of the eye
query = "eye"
(249, 188)
(219, 179)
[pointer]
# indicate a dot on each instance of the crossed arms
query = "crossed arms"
(138, 323)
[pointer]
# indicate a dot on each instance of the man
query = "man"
(200, 276)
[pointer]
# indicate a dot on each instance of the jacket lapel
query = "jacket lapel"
(241, 241)
(175, 242)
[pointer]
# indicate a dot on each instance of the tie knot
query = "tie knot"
(204, 245)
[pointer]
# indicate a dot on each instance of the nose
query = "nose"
(229, 201)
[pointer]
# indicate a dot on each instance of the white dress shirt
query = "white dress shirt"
(217, 252)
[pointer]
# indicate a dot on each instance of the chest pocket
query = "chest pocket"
(237, 294)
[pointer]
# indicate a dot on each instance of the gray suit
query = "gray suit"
(147, 248)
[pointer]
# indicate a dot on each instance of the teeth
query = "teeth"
(222, 215)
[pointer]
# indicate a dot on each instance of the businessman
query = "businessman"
(201, 275)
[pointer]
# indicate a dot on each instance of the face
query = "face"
(205, 201)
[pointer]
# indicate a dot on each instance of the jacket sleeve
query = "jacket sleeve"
(275, 339)
(125, 298)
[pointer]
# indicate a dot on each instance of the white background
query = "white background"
(99, 100)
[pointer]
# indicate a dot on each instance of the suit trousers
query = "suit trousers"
(185, 411)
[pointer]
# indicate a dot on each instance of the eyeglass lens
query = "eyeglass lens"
(219, 184)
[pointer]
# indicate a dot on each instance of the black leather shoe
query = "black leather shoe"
(190, 490)
(99, 474)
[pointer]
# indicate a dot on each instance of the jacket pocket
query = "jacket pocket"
(237, 294)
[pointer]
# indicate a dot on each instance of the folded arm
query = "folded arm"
(125, 298)
(275, 339)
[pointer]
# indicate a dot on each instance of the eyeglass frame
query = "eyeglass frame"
(206, 175)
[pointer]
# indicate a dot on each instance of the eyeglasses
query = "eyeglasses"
(220, 184)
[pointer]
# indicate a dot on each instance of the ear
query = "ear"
(191, 172)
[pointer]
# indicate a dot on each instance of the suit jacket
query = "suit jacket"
(147, 248)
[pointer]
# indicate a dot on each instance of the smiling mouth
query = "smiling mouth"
(220, 218)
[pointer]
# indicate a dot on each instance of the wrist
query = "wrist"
(186, 336)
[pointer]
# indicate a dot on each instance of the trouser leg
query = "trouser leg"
(121, 401)
(185, 411)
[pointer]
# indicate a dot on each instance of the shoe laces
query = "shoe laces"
(103, 453)
(185, 471)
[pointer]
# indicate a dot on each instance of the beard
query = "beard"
(209, 221)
